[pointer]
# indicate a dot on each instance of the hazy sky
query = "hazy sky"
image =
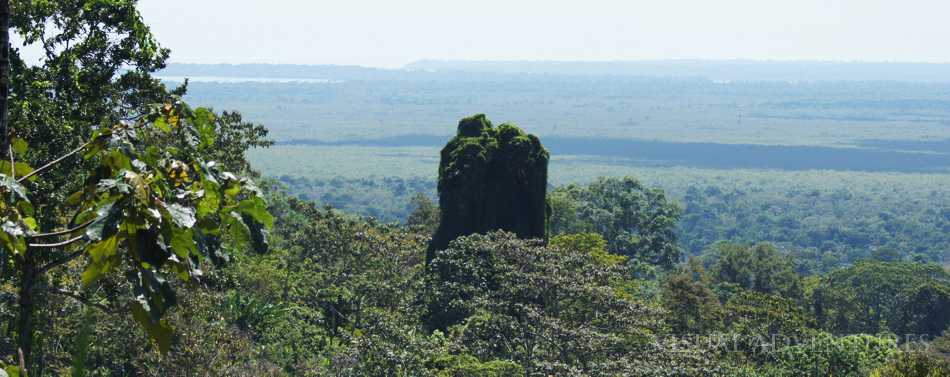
(390, 33)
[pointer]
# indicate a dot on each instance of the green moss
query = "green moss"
(473, 125)
(491, 178)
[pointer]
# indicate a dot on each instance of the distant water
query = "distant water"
(226, 79)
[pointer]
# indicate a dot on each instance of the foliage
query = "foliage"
(925, 310)
(151, 212)
(914, 364)
(425, 214)
(827, 219)
(638, 222)
(554, 313)
(754, 318)
(869, 297)
(754, 267)
(388, 199)
(826, 355)
(491, 178)
(687, 294)
(234, 137)
(591, 243)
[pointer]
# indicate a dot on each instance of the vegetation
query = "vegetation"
(138, 240)
(491, 178)
(637, 221)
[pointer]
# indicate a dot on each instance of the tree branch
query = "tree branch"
(62, 232)
(80, 298)
(54, 162)
(58, 244)
(58, 262)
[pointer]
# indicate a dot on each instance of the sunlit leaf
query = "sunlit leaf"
(19, 146)
(181, 215)
(103, 260)
(162, 124)
(204, 123)
(256, 209)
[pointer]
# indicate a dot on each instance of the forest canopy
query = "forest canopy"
(138, 239)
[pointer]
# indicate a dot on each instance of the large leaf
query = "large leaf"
(19, 146)
(210, 201)
(181, 215)
(11, 185)
(106, 223)
(204, 124)
(256, 209)
(183, 242)
(103, 259)
(158, 331)
(240, 235)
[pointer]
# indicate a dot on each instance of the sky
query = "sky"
(390, 33)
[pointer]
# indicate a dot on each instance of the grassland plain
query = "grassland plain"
(354, 162)
(832, 114)
(840, 168)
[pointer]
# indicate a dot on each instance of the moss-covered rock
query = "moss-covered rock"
(491, 178)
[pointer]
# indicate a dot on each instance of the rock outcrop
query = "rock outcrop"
(491, 178)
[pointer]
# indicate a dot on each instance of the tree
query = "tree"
(870, 297)
(424, 215)
(491, 178)
(826, 355)
(146, 199)
(146, 212)
(637, 221)
(694, 307)
(552, 311)
(591, 243)
(757, 267)
(925, 311)
(914, 364)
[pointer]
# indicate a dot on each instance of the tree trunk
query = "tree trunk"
(25, 316)
(4, 75)
(27, 277)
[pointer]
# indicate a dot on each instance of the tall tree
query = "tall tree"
(637, 221)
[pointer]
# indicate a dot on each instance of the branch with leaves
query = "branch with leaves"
(152, 209)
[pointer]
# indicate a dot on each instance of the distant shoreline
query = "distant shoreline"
(715, 70)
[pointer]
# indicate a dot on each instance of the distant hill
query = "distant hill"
(724, 70)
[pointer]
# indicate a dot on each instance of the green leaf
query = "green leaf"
(15, 244)
(19, 146)
(240, 234)
(19, 168)
(256, 209)
(97, 142)
(106, 223)
(30, 223)
(162, 124)
(75, 197)
(204, 124)
(158, 331)
(117, 161)
(183, 242)
(104, 259)
(12, 371)
(208, 205)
